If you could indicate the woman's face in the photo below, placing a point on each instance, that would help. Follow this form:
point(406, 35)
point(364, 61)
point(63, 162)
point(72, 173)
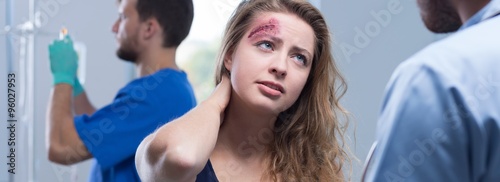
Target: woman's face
point(272, 61)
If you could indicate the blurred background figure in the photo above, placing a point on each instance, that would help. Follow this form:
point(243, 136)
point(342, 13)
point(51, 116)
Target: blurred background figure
point(440, 117)
point(161, 92)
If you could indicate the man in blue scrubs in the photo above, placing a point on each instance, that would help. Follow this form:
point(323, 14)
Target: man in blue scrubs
point(148, 33)
point(440, 118)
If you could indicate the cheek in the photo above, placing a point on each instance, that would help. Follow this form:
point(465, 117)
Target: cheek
point(124, 29)
point(236, 75)
point(239, 76)
point(297, 90)
point(244, 67)
point(296, 86)
point(121, 32)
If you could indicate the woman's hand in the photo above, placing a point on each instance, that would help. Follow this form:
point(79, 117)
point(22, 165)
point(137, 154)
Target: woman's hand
point(173, 153)
point(221, 95)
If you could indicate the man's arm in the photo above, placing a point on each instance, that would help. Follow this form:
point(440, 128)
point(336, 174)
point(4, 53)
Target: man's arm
point(64, 144)
point(82, 105)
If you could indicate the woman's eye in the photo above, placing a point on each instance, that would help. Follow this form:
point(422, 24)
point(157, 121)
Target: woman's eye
point(301, 58)
point(265, 45)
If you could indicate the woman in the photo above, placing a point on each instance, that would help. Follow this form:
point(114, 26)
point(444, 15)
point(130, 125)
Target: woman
point(274, 115)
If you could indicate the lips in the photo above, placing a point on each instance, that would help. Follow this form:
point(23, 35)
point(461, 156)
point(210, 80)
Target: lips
point(272, 85)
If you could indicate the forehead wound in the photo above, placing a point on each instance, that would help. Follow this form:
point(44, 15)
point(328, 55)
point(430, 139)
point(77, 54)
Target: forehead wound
point(270, 27)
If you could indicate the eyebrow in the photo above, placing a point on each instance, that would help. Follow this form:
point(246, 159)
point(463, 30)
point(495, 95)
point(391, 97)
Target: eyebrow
point(274, 38)
point(304, 51)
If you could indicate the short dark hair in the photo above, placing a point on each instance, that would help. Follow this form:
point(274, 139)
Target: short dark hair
point(174, 16)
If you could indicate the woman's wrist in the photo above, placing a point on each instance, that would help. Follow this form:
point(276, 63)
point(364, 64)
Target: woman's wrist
point(213, 107)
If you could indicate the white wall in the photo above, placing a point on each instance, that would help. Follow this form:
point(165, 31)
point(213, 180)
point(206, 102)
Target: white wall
point(367, 69)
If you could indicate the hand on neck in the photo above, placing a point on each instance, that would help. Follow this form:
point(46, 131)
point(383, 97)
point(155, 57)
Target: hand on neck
point(246, 133)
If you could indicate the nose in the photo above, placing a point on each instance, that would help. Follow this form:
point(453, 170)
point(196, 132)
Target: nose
point(114, 29)
point(279, 67)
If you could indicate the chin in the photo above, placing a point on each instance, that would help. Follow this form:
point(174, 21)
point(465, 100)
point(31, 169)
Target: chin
point(126, 55)
point(440, 17)
point(268, 106)
point(447, 27)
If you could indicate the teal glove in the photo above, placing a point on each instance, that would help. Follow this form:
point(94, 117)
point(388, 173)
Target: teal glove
point(78, 88)
point(63, 61)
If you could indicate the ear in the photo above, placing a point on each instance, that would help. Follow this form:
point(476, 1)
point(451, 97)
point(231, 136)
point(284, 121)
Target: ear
point(228, 60)
point(150, 28)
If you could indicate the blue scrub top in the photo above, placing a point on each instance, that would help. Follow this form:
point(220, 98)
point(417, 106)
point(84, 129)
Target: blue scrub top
point(113, 133)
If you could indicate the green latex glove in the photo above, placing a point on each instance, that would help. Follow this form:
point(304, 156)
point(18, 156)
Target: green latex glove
point(77, 88)
point(63, 61)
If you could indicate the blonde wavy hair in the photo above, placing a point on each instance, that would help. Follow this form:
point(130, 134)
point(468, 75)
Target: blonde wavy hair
point(308, 142)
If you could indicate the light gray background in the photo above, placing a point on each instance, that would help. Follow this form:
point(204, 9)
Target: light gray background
point(367, 71)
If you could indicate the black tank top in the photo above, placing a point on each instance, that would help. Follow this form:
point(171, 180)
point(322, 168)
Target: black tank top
point(207, 174)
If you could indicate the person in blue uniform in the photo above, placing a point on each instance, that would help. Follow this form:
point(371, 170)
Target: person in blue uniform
point(148, 33)
point(440, 118)
point(275, 114)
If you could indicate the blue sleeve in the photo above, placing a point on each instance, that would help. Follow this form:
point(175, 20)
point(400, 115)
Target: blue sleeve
point(422, 130)
point(113, 133)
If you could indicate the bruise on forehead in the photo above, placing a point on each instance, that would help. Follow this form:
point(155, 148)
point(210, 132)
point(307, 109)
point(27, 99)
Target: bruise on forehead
point(269, 28)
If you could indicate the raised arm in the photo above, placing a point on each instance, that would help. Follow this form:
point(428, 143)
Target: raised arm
point(63, 143)
point(81, 102)
point(180, 149)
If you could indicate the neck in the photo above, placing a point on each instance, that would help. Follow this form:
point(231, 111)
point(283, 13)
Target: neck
point(245, 133)
point(467, 9)
point(152, 60)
